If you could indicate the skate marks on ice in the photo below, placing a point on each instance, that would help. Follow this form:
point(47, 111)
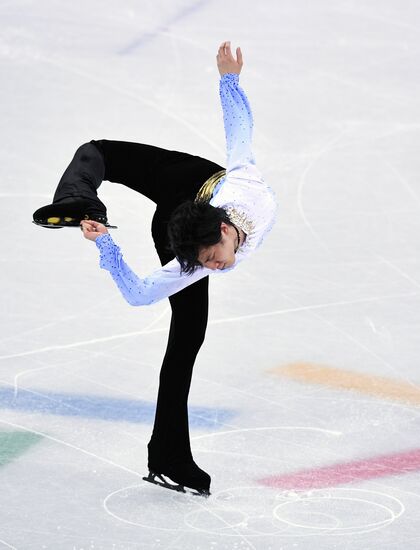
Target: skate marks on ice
point(337, 511)
point(242, 318)
point(7, 545)
point(251, 512)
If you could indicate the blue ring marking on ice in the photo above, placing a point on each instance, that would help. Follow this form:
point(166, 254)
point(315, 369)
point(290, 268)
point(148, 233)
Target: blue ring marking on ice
point(104, 408)
point(144, 38)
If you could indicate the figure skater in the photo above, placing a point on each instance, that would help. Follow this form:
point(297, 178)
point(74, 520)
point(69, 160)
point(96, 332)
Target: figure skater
point(207, 221)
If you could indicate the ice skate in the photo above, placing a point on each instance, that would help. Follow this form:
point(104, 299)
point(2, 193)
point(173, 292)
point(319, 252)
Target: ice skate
point(182, 478)
point(69, 212)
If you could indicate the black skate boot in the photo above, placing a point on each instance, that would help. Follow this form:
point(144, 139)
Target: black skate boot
point(69, 212)
point(186, 475)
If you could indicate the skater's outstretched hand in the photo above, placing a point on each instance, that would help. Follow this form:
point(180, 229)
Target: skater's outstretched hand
point(92, 230)
point(226, 63)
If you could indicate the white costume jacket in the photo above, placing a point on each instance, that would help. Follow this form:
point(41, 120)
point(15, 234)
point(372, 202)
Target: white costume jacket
point(248, 200)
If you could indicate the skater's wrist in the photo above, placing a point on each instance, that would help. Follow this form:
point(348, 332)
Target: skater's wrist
point(103, 238)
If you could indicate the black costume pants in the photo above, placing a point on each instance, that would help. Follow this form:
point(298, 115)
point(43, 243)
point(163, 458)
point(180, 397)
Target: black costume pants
point(167, 178)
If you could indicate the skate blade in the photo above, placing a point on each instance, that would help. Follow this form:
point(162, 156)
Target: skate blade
point(151, 478)
point(59, 225)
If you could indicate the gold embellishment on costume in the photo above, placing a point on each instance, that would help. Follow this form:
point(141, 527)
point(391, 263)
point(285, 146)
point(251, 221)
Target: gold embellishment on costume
point(240, 219)
point(206, 190)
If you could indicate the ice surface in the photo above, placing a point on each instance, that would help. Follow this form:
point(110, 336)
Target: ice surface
point(335, 87)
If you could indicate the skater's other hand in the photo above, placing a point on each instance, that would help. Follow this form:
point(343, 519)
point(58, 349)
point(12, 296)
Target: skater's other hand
point(226, 63)
point(92, 230)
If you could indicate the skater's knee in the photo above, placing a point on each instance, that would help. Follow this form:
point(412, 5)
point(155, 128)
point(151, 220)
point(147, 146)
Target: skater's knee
point(90, 153)
point(84, 147)
point(88, 149)
point(98, 143)
point(190, 340)
point(84, 152)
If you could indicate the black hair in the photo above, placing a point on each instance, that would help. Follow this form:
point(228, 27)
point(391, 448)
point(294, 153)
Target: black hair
point(192, 226)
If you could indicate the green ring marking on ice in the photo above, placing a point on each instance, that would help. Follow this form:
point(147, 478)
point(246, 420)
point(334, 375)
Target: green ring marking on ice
point(13, 444)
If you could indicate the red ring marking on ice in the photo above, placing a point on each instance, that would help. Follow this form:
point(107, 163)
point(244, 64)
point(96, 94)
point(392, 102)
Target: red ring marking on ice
point(348, 472)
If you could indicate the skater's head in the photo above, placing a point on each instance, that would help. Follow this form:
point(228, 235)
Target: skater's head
point(202, 235)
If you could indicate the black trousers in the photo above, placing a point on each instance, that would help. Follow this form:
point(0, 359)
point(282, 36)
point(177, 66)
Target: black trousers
point(167, 178)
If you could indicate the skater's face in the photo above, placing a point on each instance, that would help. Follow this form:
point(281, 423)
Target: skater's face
point(222, 254)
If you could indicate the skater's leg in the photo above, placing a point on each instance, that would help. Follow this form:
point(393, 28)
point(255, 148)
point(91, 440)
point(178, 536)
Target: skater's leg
point(164, 176)
point(133, 164)
point(170, 438)
point(170, 442)
point(169, 450)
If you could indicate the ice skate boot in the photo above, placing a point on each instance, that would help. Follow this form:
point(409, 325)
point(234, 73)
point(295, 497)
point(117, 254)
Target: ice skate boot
point(69, 212)
point(183, 477)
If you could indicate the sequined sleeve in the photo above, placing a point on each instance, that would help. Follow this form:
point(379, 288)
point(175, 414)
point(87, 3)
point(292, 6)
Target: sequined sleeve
point(137, 291)
point(238, 122)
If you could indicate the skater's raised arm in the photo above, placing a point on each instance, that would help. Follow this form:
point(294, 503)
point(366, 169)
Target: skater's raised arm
point(237, 115)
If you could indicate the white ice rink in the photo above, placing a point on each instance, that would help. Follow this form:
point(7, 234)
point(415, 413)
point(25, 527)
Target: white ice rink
point(305, 400)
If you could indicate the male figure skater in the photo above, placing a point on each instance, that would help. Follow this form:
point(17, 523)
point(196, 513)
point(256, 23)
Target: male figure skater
point(207, 221)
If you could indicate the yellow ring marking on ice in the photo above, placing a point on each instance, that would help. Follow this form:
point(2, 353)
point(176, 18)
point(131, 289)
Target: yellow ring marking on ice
point(348, 380)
